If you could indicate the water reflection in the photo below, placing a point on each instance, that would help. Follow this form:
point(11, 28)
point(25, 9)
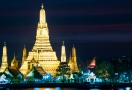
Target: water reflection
point(128, 88)
point(58, 88)
point(46, 89)
point(55, 88)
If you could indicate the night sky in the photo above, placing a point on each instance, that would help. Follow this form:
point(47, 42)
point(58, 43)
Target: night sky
point(96, 27)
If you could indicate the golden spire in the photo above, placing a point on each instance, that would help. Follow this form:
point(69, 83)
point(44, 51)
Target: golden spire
point(14, 56)
point(73, 52)
point(4, 49)
point(4, 62)
point(63, 53)
point(70, 56)
point(42, 6)
point(14, 62)
point(24, 52)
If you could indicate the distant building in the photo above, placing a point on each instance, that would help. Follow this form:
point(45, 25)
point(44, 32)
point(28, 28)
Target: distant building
point(91, 63)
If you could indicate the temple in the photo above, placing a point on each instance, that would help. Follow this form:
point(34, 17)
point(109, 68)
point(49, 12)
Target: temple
point(42, 57)
point(42, 51)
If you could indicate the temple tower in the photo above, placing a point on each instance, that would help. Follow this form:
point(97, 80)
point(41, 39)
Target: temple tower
point(14, 62)
point(63, 53)
point(42, 50)
point(24, 57)
point(24, 66)
point(4, 63)
point(73, 61)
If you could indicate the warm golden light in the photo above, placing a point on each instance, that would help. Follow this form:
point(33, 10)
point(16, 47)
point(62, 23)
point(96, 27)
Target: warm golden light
point(14, 62)
point(4, 63)
point(73, 61)
point(42, 54)
point(42, 51)
point(63, 53)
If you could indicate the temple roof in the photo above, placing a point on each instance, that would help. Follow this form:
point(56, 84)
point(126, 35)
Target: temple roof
point(33, 60)
point(36, 72)
point(40, 70)
point(13, 70)
point(14, 59)
point(92, 63)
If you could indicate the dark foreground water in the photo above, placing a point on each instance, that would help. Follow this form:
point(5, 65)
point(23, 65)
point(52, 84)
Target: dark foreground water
point(59, 88)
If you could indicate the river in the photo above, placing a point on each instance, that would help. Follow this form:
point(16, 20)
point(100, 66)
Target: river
point(59, 88)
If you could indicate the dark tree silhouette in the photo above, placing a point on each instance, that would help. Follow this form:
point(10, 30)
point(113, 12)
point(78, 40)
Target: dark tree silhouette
point(104, 69)
point(63, 69)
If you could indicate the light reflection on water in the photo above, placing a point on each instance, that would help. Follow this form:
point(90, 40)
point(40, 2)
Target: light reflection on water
point(55, 88)
point(59, 88)
point(127, 88)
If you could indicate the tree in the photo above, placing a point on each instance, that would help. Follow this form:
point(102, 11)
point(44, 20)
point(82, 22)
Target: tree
point(63, 69)
point(15, 80)
point(104, 69)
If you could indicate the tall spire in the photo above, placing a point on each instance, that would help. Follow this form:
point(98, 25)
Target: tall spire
point(42, 38)
point(14, 56)
point(73, 62)
point(4, 49)
point(4, 63)
point(70, 56)
point(42, 16)
point(73, 52)
point(24, 57)
point(63, 53)
point(42, 6)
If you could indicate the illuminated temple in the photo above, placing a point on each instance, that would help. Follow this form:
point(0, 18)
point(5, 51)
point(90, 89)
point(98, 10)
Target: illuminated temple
point(42, 54)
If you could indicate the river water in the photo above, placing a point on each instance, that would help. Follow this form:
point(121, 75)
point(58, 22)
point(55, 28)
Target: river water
point(59, 88)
